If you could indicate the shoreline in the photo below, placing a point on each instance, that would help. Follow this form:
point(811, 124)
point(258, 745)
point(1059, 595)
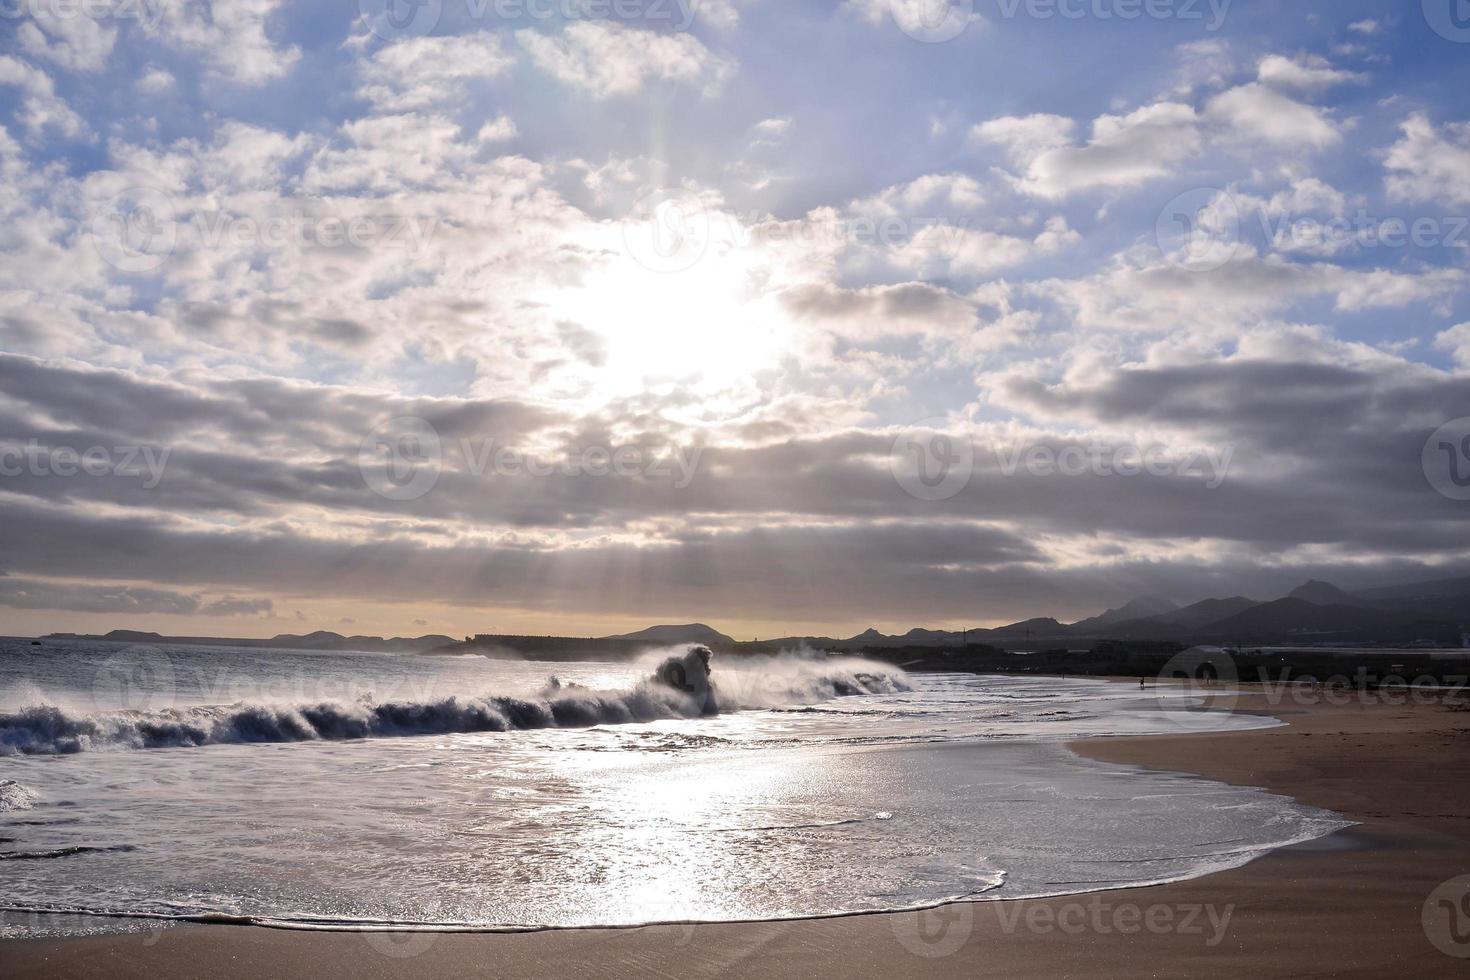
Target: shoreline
point(1349, 904)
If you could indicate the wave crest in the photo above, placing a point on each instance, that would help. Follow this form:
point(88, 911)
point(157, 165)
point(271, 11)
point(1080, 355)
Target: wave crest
point(14, 796)
point(49, 730)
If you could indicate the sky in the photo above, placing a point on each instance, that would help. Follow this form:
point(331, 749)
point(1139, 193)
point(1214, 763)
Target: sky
point(573, 316)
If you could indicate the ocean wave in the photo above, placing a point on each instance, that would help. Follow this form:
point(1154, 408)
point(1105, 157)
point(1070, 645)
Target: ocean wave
point(49, 730)
point(61, 852)
point(14, 796)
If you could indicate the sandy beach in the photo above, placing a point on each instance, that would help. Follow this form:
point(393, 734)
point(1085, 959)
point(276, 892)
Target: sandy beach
point(1349, 906)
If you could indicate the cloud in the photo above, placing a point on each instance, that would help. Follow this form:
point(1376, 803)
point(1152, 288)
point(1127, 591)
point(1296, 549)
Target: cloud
point(1259, 112)
point(72, 39)
point(1304, 73)
point(122, 600)
point(231, 36)
point(497, 130)
point(1156, 140)
point(606, 60)
point(1429, 164)
point(916, 16)
point(424, 72)
point(1123, 151)
point(156, 81)
point(1456, 340)
point(41, 108)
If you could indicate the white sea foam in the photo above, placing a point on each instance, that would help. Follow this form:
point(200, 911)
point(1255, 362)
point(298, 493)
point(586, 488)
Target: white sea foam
point(677, 689)
point(14, 796)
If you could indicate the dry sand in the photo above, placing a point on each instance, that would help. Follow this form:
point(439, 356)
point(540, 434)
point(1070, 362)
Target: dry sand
point(1350, 906)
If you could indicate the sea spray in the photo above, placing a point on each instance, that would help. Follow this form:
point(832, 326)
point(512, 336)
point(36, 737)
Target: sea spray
point(14, 796)
point(681, 687)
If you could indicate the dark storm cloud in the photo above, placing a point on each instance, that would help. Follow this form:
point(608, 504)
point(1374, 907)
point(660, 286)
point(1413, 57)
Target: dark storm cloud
point(16, 593)
point(1323, 456)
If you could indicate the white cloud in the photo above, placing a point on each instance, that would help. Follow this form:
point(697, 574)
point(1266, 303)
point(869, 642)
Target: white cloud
point(956, 192)
point(71, 39)
point(1305, 73)
point(1124, 151)
point(918, 16)
point(231, 35)
point(424, 72)
point(1259, 112)
point(498, 130)
point(155, 81)
point(1429, 165)
point(721, 14)
point(1456, 340)
point(1140, 293)
point(40, 107)
point(1151, 142)
point(606, 59)
point(771, 132)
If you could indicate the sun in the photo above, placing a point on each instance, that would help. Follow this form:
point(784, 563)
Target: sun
point(709, 330)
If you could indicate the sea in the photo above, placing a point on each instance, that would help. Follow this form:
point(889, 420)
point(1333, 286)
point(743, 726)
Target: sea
point(147, 785)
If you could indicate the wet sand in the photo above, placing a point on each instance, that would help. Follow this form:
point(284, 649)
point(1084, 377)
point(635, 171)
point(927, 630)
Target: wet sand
point(1350, 906)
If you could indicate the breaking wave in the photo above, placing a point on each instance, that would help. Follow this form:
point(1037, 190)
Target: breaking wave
point(672, 692)
point(14, 796)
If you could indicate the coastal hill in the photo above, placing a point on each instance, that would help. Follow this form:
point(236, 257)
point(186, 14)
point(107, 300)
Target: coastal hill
point(1422, 614)
point(693, 633)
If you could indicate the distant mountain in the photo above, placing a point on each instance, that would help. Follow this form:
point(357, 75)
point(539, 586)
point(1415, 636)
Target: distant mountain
point(1043, 627)
point(933, 638)
point(1207, 612)
point(1295, 619)
point(1445, 588)
point(693, 633)
point(1147, 607)
point(1322, 594)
